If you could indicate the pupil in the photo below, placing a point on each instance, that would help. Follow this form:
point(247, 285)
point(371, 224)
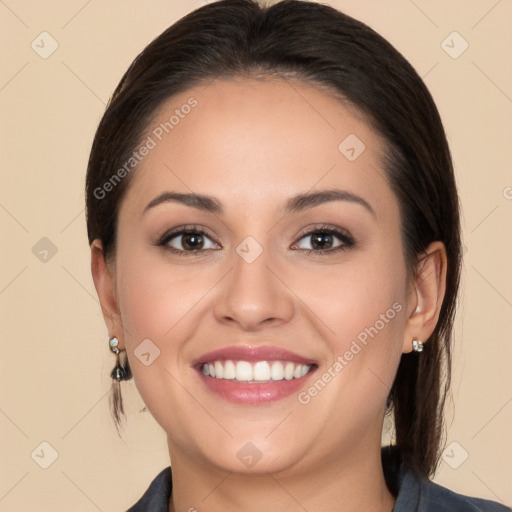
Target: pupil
point(192, 241)
point(320, 240)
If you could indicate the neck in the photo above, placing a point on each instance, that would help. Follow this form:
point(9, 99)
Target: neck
point(354, 481)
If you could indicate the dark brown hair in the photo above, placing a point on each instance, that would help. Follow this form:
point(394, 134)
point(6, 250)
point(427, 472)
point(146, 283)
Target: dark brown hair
point(321, 46)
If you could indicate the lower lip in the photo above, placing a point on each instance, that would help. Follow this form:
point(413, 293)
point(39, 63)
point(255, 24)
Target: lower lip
point(257, 393)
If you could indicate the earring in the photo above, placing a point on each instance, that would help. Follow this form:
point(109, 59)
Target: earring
point(121, 370)
point(417, 345)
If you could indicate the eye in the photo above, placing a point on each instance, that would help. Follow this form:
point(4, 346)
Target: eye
point(188, 240)
point(323, 240)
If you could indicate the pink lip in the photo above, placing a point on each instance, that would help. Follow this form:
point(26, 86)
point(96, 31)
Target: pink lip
point(251, 354)
point(256, 393)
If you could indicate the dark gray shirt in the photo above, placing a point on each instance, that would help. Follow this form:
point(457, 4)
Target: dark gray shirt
point(413, 493)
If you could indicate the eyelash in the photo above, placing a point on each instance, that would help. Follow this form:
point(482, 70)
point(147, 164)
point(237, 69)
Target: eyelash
point(195, 230)
point(345, 238)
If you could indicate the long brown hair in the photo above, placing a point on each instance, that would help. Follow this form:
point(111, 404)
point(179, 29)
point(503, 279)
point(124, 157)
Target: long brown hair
point(319, 45)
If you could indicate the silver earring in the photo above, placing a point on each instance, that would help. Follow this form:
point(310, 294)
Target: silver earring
point(417, 345)
point(121, 370)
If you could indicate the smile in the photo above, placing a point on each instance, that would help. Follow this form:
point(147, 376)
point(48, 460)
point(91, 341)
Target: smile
point(256, 371)
point(249, 375)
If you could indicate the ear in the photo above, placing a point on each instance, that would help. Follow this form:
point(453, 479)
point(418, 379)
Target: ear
point(104, 279)
point(427, 294)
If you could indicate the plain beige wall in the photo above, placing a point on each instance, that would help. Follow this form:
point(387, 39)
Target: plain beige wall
point(55, 362)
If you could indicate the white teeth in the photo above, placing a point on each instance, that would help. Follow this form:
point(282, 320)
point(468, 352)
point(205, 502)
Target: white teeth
point(229, 370)
point(277, 371)
point(260, 371)
point(288, 371)
point(243, 371)
point(219, 371)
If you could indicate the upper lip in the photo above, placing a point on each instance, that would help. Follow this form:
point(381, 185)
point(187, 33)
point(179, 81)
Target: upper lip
point(252, 354)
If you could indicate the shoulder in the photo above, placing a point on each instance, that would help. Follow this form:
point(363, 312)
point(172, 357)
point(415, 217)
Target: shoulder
point(422, 495)
point(156, 497)
point(416, 493)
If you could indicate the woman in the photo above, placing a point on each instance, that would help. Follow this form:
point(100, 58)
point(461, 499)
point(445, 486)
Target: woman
point(275, 242)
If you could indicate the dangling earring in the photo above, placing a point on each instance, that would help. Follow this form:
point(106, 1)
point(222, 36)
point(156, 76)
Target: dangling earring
point(120, 372)
point(417, 345)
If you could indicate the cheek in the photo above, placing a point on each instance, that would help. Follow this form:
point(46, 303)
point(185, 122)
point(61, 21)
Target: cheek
point(354, 298)
point(360, 308)
point(156, 297)
point(157, 306)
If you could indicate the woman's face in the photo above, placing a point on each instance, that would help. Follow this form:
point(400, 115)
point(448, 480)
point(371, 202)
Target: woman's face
point(291, 262)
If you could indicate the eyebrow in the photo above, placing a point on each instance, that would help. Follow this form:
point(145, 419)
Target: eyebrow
point(201, 202)
point(312, 199)
point(297, 203)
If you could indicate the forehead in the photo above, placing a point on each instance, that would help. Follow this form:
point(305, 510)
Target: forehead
point(254, 142)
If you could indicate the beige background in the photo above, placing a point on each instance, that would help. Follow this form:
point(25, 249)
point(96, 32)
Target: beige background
point(55, 362)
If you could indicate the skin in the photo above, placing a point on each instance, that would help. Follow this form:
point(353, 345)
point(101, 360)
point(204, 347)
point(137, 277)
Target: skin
point(253, 145)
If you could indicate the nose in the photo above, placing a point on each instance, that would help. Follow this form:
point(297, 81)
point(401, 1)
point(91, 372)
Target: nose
point(254, 296)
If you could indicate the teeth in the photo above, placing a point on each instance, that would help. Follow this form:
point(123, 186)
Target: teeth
point(243, 371)
point(219, 371)
point(229, 370)
point(277, 371)
point(288, 371)
point(260, 371)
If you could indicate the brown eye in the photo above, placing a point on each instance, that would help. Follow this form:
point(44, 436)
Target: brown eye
point(192, 241)
point(324, 240)
point(188, 240)
point(320, 241)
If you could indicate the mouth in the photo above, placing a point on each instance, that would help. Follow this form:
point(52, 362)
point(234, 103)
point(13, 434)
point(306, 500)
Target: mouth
point(255, 372)
point(246, 375)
